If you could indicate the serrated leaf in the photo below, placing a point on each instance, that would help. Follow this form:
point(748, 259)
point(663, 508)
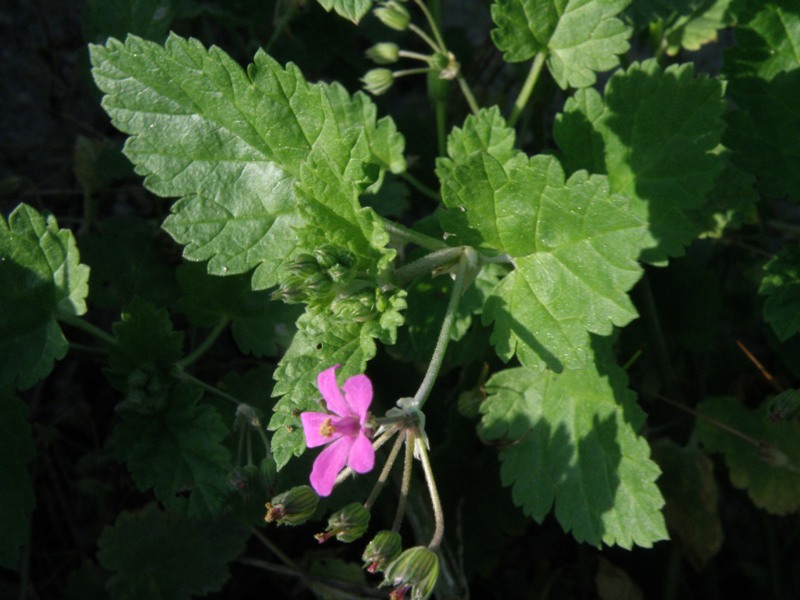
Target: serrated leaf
point(178, 451)
point(579, 37)
point(165, 556)
point(485, 131)
point(691, 510)
point(770, 474)
point(781, 286)
point(230, 143)
point(658, 131)
point(569, 440)
point(349, 9)
point(17, 500)
point(573, 244)
point(764, 75)
point(145, 337)
point(697, 26)
point(258, 324)
point(41, 278)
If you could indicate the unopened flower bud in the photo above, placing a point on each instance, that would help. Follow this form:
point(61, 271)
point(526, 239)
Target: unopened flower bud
point(358, 307)
point(377, 81)
point(383, 53)
point(415, 570)
point(382, 550)
point(347, 524)
point(292, 507)
point(393, 15)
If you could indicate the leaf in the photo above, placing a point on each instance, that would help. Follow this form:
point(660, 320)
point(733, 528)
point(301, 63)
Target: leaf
point(178, 452)
point(654, 135)
point(691, 494)
point(569, 440)
point(145, 340)
point(17, 450)
point(230, 144)
point(165, 556)
point(771, 473)
point(781, 286)
point(579, 37)
point(41, 279)
point(259, 324)
point(573, 244)
point(485, 131)
point(764, 75)
point(349, 9)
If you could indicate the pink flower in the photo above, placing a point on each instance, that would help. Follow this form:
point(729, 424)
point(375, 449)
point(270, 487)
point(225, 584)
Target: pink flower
point(343, 427)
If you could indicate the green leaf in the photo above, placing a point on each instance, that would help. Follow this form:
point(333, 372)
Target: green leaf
point(691, 494)
point(41, 279)
point(178, 451)
point(165, 556)
point(17, 450)
point(570, 440)
point(579, 37)
point(259, 324)
point(764, 75)
point(349, 9)
point(770, 473)
point(230, 144)
point(145, 341)
point(697, 26)
point(781, 285)
point(573, 244)
point(487, 131)
point(655, 136)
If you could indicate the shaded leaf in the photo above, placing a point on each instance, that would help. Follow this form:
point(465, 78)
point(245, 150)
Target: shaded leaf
point(569, 441)
point(781, 286)
point(41, 278)
point(349, 9)
point(165, 556)
point(17, 450)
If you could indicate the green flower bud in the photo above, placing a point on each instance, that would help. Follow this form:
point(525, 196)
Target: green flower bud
point(292, 507)
point(378, 81)
point(304, 265)
point(393, 15)
point(415, 570)
point(269, 471)
point(319, 284)
point(347, 524)
point(383, 53)
point(359, 307)
point(382, 550)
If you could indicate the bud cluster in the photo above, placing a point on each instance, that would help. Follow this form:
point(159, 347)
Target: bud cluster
point(317, 278)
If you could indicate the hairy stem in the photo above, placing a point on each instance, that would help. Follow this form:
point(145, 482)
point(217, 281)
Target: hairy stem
point(420, 239)
point(438, 515)
point(408, 436)
point(182, 375)
point(421, 187)
point(468, 95)
point(387, 468)
point(444, 335)
point(527, 88)
point(205, 345)
point(427, 264)
point(84, 325)
point(433, 25)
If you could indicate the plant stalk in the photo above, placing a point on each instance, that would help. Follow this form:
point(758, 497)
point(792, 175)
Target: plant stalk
point(438, 514)
point(527, 88)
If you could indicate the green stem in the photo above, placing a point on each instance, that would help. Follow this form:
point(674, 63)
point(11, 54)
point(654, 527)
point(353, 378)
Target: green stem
point(385, 472)
point(441, 127)
point(473, 104)
point(408, 436)
point(420, 187)
point(436, 503)
point(428, 263)
point(425, 37)
point(444, 335)
point(414, 56)
point(420, 239)
point(433, 25)
point(179, 373)
point(207, 343)
point(406, 72)
point(527, 89)
point(79, 323)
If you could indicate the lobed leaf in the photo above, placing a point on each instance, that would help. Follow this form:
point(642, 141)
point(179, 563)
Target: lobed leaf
point(654, 134)
point(781, 286)
point(165, 556)
point(770, 474)
point(349, 9)
point(579, 37)
point(17, 450)
point(569, 440)
point(573, 244)
point(41, 279)
point(178, 453)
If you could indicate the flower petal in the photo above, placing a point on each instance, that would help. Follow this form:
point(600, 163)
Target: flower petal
point(328, 465)
point(358, 393)
point(362, 454)
point(326, 382)
point(313, 423)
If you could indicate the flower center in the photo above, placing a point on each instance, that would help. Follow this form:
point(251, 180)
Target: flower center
point(327, 429)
